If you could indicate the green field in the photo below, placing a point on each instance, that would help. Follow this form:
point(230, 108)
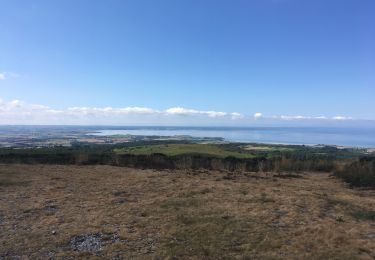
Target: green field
point(268, 148)
point(177, 149)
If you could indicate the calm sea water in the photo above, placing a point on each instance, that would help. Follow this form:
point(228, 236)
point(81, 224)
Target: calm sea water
point(357, 137)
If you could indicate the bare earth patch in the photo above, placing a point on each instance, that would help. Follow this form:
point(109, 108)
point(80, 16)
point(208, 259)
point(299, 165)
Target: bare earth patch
point(54, 211)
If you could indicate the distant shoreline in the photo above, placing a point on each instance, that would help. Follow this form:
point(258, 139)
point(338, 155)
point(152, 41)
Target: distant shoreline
point(262, 135)
point(48, 136)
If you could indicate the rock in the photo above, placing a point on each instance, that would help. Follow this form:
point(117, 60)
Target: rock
point(87, 243)
point(51, 255)
point(53, 232)
point(117, 193)
point(277, 223)
point(50, 209)
point(280, 213)
point(121, 201)
point(115, 238)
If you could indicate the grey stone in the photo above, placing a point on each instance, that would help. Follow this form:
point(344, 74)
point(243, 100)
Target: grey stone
point(87, 243)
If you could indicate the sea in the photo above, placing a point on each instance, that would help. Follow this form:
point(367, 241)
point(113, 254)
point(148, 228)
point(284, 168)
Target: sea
point(338, 136)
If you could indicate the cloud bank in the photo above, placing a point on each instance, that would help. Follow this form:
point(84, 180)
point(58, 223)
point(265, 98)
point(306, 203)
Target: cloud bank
point(258, 116)
point(19, 112)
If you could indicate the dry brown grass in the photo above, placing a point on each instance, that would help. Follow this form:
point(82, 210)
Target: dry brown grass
point(148, 214)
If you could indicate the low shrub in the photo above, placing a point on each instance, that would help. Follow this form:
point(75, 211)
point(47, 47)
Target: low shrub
point(360, 173)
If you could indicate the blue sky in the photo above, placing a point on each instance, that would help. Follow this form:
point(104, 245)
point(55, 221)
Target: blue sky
point(282, 59)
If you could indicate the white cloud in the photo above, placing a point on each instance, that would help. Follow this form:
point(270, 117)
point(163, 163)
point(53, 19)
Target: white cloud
point(136, 110)
point(236, 116)
point(16, 103)
point(4, 75)
point(179, 111)
point(294, 117)
point(300, 117)
point(185, 112)
point(258, 115)
point(342, 118)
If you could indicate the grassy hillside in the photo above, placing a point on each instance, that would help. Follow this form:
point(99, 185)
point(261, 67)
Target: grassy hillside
point(106, 212)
